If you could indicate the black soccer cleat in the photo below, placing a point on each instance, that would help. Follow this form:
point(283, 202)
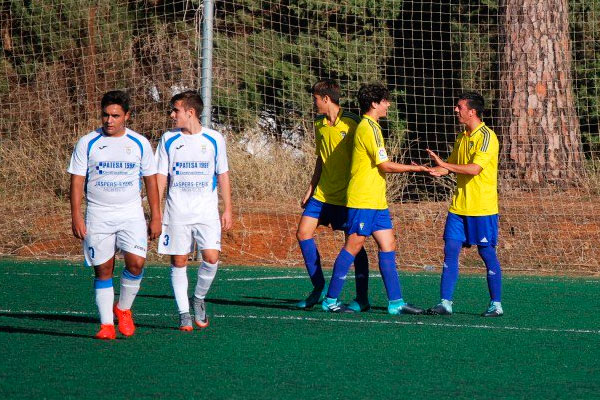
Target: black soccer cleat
point(412, 310)
point(438, 310)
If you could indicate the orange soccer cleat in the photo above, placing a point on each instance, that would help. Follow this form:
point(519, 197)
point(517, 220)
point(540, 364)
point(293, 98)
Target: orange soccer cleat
point(126, 326)
point(106, 332)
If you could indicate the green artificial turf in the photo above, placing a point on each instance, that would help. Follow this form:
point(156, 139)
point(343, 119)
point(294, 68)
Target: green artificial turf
point(258, 346)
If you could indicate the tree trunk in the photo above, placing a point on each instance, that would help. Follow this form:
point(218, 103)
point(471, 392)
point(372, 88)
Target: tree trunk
point(539, 128)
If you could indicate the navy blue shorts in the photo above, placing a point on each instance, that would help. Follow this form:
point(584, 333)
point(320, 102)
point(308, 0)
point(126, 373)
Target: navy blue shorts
point(365, 221)
point(327, 214)
point(480, 231)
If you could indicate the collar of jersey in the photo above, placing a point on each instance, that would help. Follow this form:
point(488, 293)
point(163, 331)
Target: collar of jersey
point(481, 125)
point(371, 119)
point(337, 118)
point(127, 132)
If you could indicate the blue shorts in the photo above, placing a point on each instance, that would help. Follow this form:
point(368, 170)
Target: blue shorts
point(480, 231)
point(327, 214)
point(365, 221)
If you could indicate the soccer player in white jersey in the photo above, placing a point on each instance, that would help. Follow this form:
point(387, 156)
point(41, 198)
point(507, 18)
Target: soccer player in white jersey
point(192, 164)
point(108, 164)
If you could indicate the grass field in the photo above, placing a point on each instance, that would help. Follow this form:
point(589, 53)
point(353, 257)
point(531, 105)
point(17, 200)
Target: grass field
point(546, 345)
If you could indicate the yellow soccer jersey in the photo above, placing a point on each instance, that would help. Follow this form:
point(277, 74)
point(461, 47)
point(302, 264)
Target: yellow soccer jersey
point(367, 186)
point(476, 195)
point(334, 146)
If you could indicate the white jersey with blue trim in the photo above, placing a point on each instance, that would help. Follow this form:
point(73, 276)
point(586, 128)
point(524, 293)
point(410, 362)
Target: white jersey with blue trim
point(191, 163)
point(113, 168)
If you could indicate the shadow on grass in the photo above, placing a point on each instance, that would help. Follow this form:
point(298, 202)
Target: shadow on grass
point(274, 305)
point(32, 331)
point(157, 296)
point(73, 318)
point(287, 301)
point(51, 317)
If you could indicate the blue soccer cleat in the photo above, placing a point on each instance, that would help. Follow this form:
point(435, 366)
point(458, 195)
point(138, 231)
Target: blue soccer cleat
point(316, 296)
point(397, 307)
point(333, 305)
point(359, 306)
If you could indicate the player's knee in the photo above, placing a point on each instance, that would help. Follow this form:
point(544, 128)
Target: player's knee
point(179, 261)
point(211, 258)
point(135, 269)
point(135, 266)
point(303, 234)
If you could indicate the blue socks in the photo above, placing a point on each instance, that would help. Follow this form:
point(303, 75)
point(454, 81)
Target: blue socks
point(387, 268)
point(450, 270)
point(361, 271)
point(494, 272)
point(312, 260)
point(340, 269)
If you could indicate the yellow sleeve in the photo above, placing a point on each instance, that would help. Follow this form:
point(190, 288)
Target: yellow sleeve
point(487, 150)
point(374, 146)
point(318, 140)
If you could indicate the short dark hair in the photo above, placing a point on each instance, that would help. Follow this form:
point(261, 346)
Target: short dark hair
point(371, 93)
point(329, 88)
point(117, 97)
point(189, 99)
point(475, 102)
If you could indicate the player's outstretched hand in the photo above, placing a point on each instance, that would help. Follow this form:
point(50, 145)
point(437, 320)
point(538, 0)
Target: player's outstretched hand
point(154, 228)
point(435, 157)
point(226, 220)
point(78, 227)
point(420, 168)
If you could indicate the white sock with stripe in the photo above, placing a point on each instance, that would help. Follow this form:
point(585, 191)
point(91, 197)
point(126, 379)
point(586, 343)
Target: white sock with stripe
point(179, 282)
point(130, 286)
point(105, 296)
point(206, 275)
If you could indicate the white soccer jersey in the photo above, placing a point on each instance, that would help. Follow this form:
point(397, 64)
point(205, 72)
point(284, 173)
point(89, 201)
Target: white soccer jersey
point(113, 167)
point(191, 164)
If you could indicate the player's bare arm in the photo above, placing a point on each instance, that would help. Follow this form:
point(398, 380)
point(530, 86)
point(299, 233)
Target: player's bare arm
point(77, 221)
point(313, 182)
point(154, 227)
point(225, 188)
point(161, 183)
point(467, 169)
point(392, 167)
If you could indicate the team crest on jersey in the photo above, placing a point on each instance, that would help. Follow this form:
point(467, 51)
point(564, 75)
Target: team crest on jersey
point(203, 148)
point(471, 144)
point(382, 154)
point(343, 134)
point(128, 150)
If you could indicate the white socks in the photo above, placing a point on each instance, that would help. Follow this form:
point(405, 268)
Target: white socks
point(104, 301)
point(179, 281)
point(130, 285)
point(206, 275)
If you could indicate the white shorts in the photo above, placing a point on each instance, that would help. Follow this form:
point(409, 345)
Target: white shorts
point(104, 238)
point(179, 240)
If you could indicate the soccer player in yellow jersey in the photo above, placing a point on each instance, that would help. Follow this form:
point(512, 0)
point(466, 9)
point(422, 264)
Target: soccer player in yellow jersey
point(368, 213)
point(325, 200)
point(473, 214)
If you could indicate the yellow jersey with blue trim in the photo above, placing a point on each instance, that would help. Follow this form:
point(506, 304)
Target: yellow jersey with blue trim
point(477, 195)
point(334, 147)
point(367, 187)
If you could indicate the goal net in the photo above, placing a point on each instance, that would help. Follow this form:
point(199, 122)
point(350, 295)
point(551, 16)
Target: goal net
point(536, 67)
